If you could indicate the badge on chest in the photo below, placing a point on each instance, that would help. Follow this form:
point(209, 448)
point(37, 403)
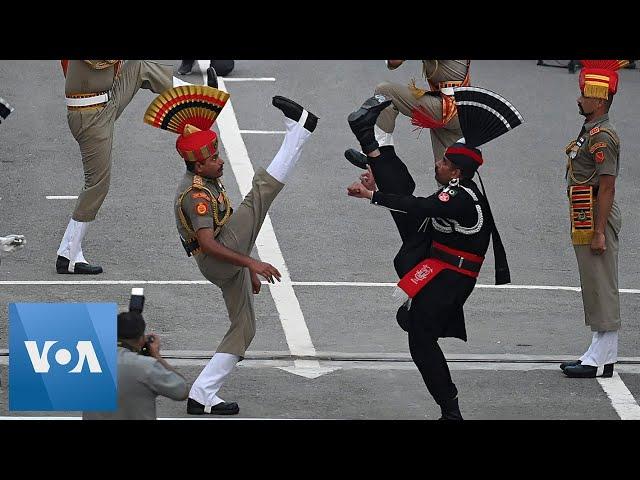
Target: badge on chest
point(446, 194)
point(572, 149)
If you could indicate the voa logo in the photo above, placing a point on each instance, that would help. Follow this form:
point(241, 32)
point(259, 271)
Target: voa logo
point(62, 356)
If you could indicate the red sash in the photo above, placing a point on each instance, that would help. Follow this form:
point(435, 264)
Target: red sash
point(429, 268)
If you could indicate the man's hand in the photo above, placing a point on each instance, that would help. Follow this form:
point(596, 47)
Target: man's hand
point(153, 340)
point(12, 242)
point(598, 244)
point(255, 283)
point(266, 270)
point(358, 190)
point(367, 179)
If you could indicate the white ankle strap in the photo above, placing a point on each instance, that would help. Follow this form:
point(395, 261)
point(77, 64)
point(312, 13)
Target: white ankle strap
point(303, 118)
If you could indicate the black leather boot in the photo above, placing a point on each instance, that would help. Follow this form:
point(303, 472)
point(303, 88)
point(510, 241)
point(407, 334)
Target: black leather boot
point(564, 365)
point(588, 371)
point(223, 408)
point(223, 67)
point(450, 410)
point(362, 121)
point(294, 111)
point(185, 67)
point(212, 77)
point(62, 266)
point(356, 158)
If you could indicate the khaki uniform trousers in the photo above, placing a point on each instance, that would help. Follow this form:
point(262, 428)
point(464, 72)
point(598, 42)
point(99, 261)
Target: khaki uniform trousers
point(240, 234)
point(404, 101)
point(599, 278)
point(93, 130)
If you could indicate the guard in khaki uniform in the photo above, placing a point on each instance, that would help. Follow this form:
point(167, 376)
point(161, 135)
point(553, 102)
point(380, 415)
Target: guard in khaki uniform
point(592, 167)
point(434, 109)
point(219, 237)
point(97, 92)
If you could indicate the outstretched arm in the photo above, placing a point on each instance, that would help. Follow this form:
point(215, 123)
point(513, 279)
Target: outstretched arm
point(439, 204)
point(211, 246)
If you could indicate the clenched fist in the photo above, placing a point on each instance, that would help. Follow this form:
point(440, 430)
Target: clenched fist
point(358, 190)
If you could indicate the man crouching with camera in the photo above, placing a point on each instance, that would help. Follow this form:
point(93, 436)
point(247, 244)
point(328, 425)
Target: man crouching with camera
point(142, 373)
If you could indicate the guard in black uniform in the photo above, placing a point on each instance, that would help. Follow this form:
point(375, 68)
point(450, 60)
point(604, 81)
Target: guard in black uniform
point(445, 236)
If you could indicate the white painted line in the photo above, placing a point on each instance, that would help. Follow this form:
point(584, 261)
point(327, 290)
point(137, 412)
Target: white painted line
point(61, 197)
point(264, 132)
point(240, 79)
point(292, 283)
point(621, 399)
point(289, 311)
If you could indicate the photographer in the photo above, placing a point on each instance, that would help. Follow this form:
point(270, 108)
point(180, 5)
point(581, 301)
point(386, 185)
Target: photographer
point(141, 378)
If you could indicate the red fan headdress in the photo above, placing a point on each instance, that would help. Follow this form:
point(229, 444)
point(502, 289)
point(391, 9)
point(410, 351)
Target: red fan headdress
point(598, 78)
point(190, 111)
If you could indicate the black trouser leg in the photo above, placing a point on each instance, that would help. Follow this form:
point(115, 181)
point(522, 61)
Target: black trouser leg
point(392, 176)
point(429, 359)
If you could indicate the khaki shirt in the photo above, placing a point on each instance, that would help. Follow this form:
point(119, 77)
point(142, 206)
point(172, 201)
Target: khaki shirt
point(596, 152)
point(437, 71)
point(83, 78)
point(140, 380)
point(197, 205)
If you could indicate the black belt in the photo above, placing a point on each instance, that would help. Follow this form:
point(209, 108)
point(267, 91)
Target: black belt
point(190, 246)
point(455, 260)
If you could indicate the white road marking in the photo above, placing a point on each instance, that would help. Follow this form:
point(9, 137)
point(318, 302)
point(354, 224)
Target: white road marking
point(292, 283)
point(264, 132)
point(284, 297)
point(61, 197)
point(621, 399)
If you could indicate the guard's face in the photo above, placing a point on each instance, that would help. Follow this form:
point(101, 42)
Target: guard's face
point(588, 105)
point(212, 167)
point(446, 170)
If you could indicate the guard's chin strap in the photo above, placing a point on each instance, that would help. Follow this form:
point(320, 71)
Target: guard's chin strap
point(501, 265)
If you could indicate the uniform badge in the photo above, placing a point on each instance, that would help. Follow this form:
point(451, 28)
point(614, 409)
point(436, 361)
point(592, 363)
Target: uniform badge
point(599, 156)
point(200, 195)
point(594, 130)
point(597, 146)
point(201, 208)
point(573, 152)
point(444, 197)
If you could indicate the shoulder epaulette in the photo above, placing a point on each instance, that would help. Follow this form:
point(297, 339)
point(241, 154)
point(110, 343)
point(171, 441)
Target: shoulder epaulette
point(609, 132)
point(198, 182)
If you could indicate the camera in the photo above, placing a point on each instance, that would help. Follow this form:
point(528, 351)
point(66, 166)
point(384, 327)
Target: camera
point(136, 302)
point(145, 348)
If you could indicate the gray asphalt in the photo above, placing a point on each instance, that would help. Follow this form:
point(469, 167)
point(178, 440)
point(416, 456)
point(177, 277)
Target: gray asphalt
point(326, 236)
